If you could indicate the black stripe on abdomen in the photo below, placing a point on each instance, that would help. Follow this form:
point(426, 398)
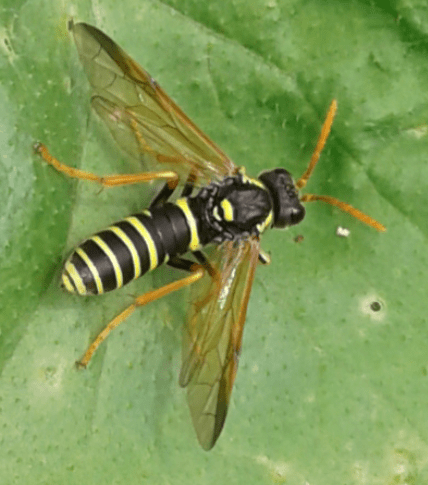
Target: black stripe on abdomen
point(127, 250)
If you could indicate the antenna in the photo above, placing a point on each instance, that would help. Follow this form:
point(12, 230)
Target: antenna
point(301, 183)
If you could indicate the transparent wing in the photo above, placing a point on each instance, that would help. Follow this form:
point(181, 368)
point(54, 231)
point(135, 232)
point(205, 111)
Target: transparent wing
point(140, 115)
point(213, 335)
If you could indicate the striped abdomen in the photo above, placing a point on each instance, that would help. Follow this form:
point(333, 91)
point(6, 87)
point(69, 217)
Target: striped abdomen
point(130, 248)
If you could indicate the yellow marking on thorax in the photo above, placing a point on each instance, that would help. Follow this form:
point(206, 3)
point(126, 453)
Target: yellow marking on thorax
point(266, 223)
point(216, 214)
point(248, 180)
point(227, 210)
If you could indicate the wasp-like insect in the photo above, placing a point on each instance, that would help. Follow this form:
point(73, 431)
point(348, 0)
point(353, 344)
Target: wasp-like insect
point(229, 210)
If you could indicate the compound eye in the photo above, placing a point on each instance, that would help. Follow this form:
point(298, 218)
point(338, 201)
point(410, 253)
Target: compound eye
point(297, 214)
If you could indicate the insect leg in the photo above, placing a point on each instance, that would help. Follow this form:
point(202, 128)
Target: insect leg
point(212, 271)
point(110, 180)
point(163, 195)
point(169, 188)
point(189, 185)
point(264, 257)
point(197, 272)
point(186, 265)
point(181, 263)
point(203, 260)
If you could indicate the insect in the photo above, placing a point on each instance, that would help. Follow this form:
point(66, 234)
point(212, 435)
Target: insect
point(219, 205)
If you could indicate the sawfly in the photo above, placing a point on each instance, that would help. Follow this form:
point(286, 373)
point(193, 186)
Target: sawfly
point(218, 205)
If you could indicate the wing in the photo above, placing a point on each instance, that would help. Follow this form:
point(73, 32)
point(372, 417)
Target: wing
point(140, 115)
point(213, 335)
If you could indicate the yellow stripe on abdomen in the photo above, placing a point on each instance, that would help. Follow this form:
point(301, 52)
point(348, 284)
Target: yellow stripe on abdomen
point(113, 259)
point(145, 234)
point(194, 236)
point(93, 270)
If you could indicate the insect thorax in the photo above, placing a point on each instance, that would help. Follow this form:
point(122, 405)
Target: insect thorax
point(237, 207)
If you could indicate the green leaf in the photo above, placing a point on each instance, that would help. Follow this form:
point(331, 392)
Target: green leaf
point(331, 388)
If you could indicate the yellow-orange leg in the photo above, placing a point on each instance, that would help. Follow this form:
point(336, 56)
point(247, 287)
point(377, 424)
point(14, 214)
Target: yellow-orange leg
point(197, 272)
point(110, 180)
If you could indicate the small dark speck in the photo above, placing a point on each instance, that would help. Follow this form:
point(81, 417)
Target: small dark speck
point(7, 44)
point(375, 306)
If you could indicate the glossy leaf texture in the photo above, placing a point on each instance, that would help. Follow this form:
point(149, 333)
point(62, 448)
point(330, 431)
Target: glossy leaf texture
point(328, 389)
